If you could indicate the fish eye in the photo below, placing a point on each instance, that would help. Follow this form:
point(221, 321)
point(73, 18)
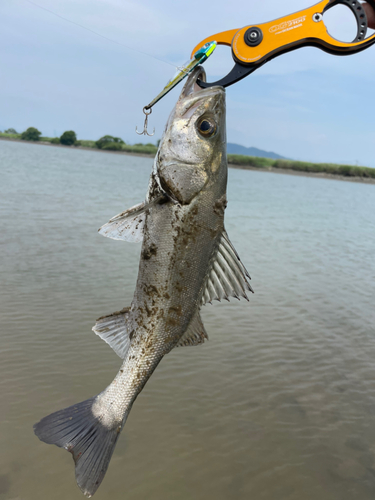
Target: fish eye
point(206, 126)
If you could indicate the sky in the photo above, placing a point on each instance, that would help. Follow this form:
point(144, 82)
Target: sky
point(56, 76)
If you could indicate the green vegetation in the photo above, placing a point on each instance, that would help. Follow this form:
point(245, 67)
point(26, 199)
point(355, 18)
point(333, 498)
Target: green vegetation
point(111, 143)
point(302, 166)
point(10, 131)
point(107, 142)
point(251, 161)
point(10, 136)
point(146, 149)
point(68, 138)
point(31, 134)
point(87, 144)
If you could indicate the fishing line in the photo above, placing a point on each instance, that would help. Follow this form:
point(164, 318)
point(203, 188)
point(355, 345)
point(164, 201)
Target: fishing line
point(101, 36)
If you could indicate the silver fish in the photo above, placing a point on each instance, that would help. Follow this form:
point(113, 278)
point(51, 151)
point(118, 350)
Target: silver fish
point(186, 261)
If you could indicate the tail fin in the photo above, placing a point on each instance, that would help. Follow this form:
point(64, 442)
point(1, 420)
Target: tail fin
point(91, 443)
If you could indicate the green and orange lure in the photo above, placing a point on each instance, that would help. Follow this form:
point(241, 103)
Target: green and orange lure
point(199, 57)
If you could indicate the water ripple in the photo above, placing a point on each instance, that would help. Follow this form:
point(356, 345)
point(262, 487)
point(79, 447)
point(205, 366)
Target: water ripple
point(280, 403)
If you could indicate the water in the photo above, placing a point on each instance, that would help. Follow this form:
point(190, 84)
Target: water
point(280, 403)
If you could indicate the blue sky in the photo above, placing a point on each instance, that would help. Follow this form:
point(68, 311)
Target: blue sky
point(56, 76)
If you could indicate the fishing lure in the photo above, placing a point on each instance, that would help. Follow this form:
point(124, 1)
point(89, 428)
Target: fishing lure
point(198, 57)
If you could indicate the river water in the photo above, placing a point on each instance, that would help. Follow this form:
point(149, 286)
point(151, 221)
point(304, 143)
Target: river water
point(279, 404)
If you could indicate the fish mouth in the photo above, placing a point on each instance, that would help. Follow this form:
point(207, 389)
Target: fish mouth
point(191, 86)
point(192, 94)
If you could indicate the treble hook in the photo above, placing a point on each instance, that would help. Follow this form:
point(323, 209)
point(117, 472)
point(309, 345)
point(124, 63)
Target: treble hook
point(145, 132)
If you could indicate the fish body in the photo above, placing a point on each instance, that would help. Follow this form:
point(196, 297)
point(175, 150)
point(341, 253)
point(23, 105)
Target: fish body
point(186, 261)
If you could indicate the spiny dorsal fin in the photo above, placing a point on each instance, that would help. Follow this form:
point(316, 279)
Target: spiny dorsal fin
point(227, 275)
point(195, 334)
point(113, 330)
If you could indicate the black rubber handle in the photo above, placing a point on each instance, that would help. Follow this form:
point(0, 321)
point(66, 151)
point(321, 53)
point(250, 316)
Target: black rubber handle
point(235, 75)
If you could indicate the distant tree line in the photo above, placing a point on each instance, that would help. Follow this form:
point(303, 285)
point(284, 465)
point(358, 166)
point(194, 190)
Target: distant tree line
point(69, 138)
point(31, 134)
point(110, 142)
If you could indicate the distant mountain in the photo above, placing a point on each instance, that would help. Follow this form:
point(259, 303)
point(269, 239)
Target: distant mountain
point(237, 149)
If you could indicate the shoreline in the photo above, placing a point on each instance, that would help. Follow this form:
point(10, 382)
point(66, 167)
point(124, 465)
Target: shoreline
point(96, 150)
point(282, 171)
point(319, 175)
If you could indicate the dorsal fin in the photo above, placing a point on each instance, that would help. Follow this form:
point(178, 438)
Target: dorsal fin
point(195, 334)
point(227, 275)
point(113, 330)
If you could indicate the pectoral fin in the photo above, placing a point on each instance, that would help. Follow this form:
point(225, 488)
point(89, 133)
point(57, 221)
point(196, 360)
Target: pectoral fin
point(127, 226)
point(227, 275)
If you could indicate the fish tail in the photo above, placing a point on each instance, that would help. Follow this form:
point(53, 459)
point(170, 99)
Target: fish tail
point(90, 442)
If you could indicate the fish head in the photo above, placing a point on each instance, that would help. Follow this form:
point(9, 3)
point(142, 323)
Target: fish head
point(192, 152)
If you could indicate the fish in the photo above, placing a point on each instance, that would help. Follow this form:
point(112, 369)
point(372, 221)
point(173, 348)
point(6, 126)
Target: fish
point(186, 261)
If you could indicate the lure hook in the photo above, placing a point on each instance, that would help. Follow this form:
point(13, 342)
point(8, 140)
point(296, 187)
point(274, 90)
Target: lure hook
point(145, 131)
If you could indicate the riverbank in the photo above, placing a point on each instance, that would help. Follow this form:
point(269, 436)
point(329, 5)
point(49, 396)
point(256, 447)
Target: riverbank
point(85, 148)
point(319, 175)
point(321, 170)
